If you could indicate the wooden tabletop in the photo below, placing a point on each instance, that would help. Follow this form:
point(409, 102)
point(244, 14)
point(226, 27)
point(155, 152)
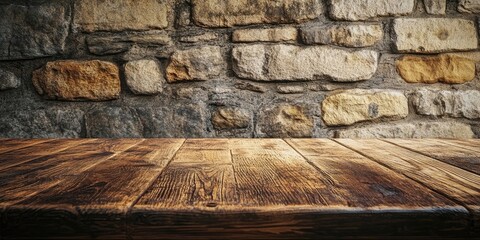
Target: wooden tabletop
point(239, 188)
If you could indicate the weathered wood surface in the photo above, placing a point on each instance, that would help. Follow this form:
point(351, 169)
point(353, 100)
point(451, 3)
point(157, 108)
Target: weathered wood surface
point(458, 156)
point(34, 150)
point(7, 145)
point(94, 201)
point(239, 188)
point(460, 185)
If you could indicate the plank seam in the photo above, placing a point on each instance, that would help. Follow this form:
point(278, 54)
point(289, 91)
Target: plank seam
point(426, 155)
point(84, 170)
point(83, 141)
point(76, 208)
point(471, 213)
point(325, 177)
point(27, 145)
point(129, 209)
point(458, 146)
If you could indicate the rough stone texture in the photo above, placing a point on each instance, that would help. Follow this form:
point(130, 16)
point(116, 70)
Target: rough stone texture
point(227, 13)
point(113, 122)
point(257, 57)
point(469, 6)
point(285, 120)
point(196, 64)
point(355, 10)
point(432, 35)
point(250, 87)
point(291, 63)
point(189, 120)
point(265, 35)
point(112, 44)
point(144, 77)
point(447, 103)
point(442, 68)
point(355, 35)
point(435, 6)
point(8, 80)
point(44, 123)
point(204, 37)
point(176, 120)
point(33, 31)
point(474, 56)
point(446, 129)
point(230, 118)
point(193, 93)
point(118, 15)
point(290, 89)
point(78, 80)
point(352, 106)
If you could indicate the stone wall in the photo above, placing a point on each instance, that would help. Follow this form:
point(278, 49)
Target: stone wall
point(239, 68)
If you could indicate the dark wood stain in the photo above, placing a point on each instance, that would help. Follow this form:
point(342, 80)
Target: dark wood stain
point(452, 154)
point(239, 189)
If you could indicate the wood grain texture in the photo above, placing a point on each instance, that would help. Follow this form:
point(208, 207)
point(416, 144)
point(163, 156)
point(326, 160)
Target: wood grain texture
point(468, 144)
point(266, 189)
point(96, 200)
point(236, 189)
point(375, 185)
point(198, 177)
point(24, 180)
point(10, 144)
point(455, 183)
point(270, 173)
point(460, 157)
point(36, 151)
point(297, 224)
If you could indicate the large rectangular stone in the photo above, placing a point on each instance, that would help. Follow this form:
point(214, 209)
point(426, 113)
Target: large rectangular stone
point(120, 15)
point(417, 129)
point(227, 13)
point(358, 105)
point(432, 69)
point(293, 63)
point(356, 10)
point(265, 35)
point(352, 35)
point(72, 80)
point(196, 64)
point(433, 35)
point(117, 43)
point(447, 103)
point(32, 31)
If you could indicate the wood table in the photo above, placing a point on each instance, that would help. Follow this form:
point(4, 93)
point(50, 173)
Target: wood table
point(239, 188)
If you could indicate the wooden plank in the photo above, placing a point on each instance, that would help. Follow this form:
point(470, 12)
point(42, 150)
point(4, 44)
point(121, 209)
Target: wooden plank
point(296, 223)
point(21, 181)
point(375, 185)
point(206, 143)
point(273, 193)
point(94, 202)
point(236, 189)
point(35, 151)
point(278, 175)
point(196, 178)
point(10, 144)
point(456, 183)
point(469, 144)
point(119, 179)
point(451, 154)
point(200, 177)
